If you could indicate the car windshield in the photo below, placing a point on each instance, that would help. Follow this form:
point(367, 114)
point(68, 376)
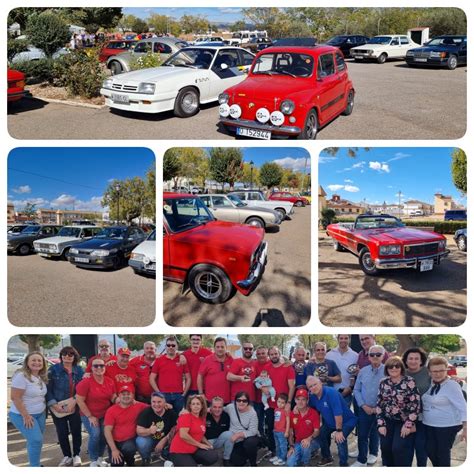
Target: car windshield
point(32, 229)
point(378, 222)
point(185, 213)
point(152, 236)
point(337, 40)
point(236, 201)
point(117, 233)
point(69, 232)
point(444, 41)
point(380, 40)
point(16, 229)
point(195, 58)
point(288, 64)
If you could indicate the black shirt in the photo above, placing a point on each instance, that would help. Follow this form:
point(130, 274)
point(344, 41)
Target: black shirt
point(215, 428)
point(164, 423)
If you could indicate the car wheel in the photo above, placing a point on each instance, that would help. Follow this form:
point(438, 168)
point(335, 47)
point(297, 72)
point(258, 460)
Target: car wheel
point(210, 284)
point(115, 68)
point(187, 102)
point(119, 261)
point(462, 243)
point(64, 254)
point(255, 222)
point(366, 262)
point(382, 58)
point(24, 249)
point(349, 103)
point(310, 130)
point(281, 214)
point(452, 62)
point(337, 246)
point(299, 204)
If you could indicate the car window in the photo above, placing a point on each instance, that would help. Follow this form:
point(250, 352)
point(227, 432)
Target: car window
point(404, 40)
point(206, 200)
point(162, 48)
point(221, 201)
point(240, 195)
point(340, 63)
point(395, 41)
point(325, 66)
point(255, 196)
point(227, 63)
point(47, 231)
point(89, 232)
point(247, 58)
point(291, 64)
point(143, 47)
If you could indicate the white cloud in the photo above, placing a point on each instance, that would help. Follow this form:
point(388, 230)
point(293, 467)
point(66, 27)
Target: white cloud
point(351, 189)
point(390, 187)
point(348, 181)
point(345, 187)
point(399, 156)
point(335, 187)
point(22, 203)
point(326, 159)
point(377, 166)
point(295, 164)
point(359, 164)
point(22, 189)
point(66, 201)
point(230, 11)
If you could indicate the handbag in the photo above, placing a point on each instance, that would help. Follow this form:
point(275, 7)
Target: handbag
point(64, 404)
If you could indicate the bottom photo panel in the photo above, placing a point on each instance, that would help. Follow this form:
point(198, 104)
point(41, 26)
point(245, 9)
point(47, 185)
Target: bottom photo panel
point(237, 400)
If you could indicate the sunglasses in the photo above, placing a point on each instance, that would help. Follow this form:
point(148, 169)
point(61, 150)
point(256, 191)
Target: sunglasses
point(375, 354)
point(248, 348)
point(98, 366)
point(104, 347)
point(396, 366)
point(69, 354)
point(170, 345)
point(242, 400)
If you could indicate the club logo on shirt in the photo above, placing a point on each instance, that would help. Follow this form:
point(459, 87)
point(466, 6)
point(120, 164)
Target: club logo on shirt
point(247, 370)
point(160, 426)
point(295, 420)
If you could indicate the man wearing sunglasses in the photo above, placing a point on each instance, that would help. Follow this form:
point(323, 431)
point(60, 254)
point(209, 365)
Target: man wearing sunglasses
point(241, 374)
point(104, 354)
point(170, 377)
point(195, 355)
point(365, 392)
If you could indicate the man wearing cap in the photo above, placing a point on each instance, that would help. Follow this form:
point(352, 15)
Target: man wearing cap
point(155, 428)
point(104, 354)
point(120, 427)
point(120, 371)
point(242, 373)
point(336, 418)
point(195, 355)
point(305, 424)
point(142, 365)
point(331, 375)
point(170, 376)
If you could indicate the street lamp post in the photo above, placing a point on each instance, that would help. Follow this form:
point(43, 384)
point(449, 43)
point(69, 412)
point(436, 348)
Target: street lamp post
point(399, 204)
point(251, 174)
point(117, 188)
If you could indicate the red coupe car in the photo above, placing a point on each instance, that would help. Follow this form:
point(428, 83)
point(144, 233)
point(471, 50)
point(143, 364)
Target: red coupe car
point(212, 258)
point(298, 201)
point(16, 85)
point(115, 47)
point(384, 242)
point(289, 92)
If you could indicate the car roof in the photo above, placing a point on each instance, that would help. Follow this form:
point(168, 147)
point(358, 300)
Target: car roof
point(316, 49)
point(169, 195)
point(213, 46)
point(376, 215)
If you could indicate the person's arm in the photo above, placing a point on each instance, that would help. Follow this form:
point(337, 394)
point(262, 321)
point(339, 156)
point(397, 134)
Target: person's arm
point(252, 429)
point(153, 377)
point(187, 383)
point(412, 408)
point(200, 384)
point(336, 378)
point(339, 435)
point(379, 411)
point(291, 389)
point(287, 425)
point(81, 401)
point(187, 438)
point(142, 431)
point(116, 455)
point(237, 378)
point(17, 399)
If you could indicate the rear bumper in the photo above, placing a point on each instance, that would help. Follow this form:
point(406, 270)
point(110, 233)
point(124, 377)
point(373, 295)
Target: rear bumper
point(284, 130)
point(256, 272)
point(435, 62)
point(390, 263)
point(141, 267)
point(17, 95)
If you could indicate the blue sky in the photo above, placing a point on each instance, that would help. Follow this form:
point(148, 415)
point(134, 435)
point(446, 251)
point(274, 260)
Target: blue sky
point(379, 174)
point(216, 14)
point(67, 178)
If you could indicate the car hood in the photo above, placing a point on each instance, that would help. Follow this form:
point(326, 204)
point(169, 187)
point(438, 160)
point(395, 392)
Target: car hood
point(14, 75)
point(22, 236)
point(57, 240)
point(156, 74)
point(399, 236)
point(102, 244)
point(440, 48)
point(148, 248)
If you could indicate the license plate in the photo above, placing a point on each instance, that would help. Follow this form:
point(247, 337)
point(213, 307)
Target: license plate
point(41, 254)
point(250, 132)
point(152, 266)
point(426, 265)
point(359, 57)
point(421, 60)
point(120, 98)
point(81, 260)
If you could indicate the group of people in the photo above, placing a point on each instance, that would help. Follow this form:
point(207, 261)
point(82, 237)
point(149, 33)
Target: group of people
point(203, 407)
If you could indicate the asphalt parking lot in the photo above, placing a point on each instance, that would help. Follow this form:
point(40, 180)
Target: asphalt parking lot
point(402, 298)
point(53, 293)
point(393, 101)
point(282, 298)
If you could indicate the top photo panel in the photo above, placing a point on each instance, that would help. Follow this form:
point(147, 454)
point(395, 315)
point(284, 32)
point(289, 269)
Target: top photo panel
point(230, 73)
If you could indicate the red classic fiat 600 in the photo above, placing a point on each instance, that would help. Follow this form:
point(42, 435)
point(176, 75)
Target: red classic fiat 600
point(290, 91)
point(213, 258)
point(16, 85)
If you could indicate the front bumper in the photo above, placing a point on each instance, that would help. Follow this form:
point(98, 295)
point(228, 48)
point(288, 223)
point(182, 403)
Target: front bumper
point(145, 103)
point(142, 267)
point(108, 261)
point(14, 96)
point(390, 263)
point(435, 62)
point(42, 252)
point(284, 130)
point(256, 271)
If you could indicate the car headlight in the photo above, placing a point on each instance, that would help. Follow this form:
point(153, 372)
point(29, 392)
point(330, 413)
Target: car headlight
point(390, 249)
point(287, 107)
point(437, 54)
point(370, 51)
point(262, 115)
point(223, 98)
point(100, 253)
point(441, 244)
point(146, 88)
point(74, 251)
point(137, 256)
point(107, 84)
point(410, 53)
point(54, 247)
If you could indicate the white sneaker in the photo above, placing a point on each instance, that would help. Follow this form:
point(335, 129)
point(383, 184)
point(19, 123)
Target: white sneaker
point(354, 454)
point(77, 461)
point(273, 459)
point(168, 464)
point(359, 464)
point(280, 462)
point(101, 462)
point(66, 461)
point(371, 459)
point(95, 464)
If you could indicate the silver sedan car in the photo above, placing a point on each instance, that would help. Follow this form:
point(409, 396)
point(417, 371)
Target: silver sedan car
point(231, 208)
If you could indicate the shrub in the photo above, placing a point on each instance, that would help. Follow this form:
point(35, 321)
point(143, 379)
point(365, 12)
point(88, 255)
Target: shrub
point(15, 46)
point(146, 61)
point(41, 70)
point(327, 217)
point(47, 31)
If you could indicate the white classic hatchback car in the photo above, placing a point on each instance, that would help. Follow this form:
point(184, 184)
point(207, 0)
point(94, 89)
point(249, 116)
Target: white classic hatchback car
point(193, 76)
point(383, 47)
point(143, 256)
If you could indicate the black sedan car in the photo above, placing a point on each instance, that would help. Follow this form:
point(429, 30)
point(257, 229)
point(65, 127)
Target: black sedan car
point(110, 248)
point(22, 243)
point(346, 42)
point(442, 51)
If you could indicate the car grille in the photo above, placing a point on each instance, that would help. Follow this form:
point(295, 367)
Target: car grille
point(421, 54)
point(45, 246)
point(85, 251)
point(421, 249)
point(124, 87)
point(361, 51)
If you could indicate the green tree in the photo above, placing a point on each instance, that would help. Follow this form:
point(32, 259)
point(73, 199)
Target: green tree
point(150, 193)
point(15, 46)
point(126, 23)
point(94, 18)
point(194, 164)
point(47, 31)
point(36, 342)
point(194, 24)
point(29, 211)
point(238, 25)
point(225, 165)
point(327, 216)
point(279, 340)
point(20, 15)
point(459, 170)
point(135, 341)
point(171, 165)
point(309, 340)
point(442, 343)
point(271, 175)
point(162, 24)
point(139, 26)
point(389, 341)
point(251, 175)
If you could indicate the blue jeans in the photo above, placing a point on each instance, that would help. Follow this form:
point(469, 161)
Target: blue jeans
point(396, 451)
point(128, 448)
point(145, 446)
point(34, 435)
point(281, 445)
point(325, 442)
point(301, 456)
point(420, 445)
point(223, 440)
point(96, 445)
point(175, 399)
point(367, 436)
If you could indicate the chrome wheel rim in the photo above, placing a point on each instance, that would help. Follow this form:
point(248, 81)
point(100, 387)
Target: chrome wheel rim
point(462, 243)
point(452, 62)
point(311, 127)
point(207, 285)
point(350, 102)
point(254, 223)
point(189, 102)
point(368, 263)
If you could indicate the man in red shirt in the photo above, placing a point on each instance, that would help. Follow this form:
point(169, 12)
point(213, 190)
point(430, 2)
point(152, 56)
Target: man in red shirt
point(212, 377)
point(262, 363)
point(142, 365)
point(241, 374)
point(194, 357)
point(305, 424)
point(120, 371)
point(104, 354)
point(120, 426)
point(168, 373)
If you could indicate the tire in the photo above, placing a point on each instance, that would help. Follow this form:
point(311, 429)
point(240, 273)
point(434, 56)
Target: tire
point(24, 249)
point(299, 203)
point(337, 246)
point(366, 262)
point(255, 222)
point(115, 68)
point(281, 213)
point(349, 103)
point(310, 130)
point(118, 262)
point(210, 284)
point(64, 254)
point(452, 62)
point(462, 243)
point(187, 102)
point(382, 58)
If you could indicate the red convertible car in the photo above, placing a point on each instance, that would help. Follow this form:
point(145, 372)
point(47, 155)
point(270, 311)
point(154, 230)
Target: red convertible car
point(212, 258)
point(289, 92)
point(383, 242)
point(16, 85)
point(298, 201)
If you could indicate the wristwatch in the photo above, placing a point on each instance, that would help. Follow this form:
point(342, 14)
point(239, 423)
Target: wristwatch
point(339, 430)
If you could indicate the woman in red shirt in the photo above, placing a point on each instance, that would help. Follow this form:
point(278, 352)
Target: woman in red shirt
point(189, 446)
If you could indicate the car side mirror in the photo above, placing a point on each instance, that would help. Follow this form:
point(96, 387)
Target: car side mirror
point(224, 66)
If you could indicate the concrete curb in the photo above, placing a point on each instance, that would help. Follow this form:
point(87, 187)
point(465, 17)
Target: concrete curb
point(69, 102)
